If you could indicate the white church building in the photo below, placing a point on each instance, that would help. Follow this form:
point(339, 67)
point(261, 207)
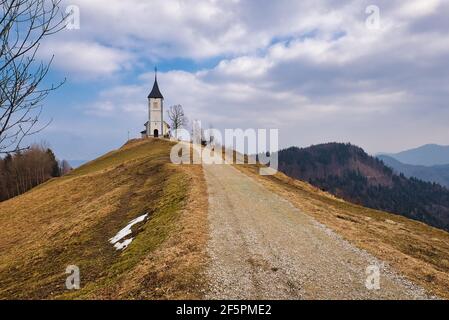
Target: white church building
point(156, 126)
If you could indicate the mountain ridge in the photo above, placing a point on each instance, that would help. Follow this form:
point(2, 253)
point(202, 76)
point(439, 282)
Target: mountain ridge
point(350, 173)
point(436, 173)
point(426, 155)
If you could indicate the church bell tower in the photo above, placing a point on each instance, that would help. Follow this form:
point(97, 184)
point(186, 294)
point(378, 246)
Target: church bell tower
point(155, 125)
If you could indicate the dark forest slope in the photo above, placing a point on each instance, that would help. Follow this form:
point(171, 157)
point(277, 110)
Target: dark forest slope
point(348, 172)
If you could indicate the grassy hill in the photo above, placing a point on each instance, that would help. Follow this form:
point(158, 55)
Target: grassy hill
point(69, 220)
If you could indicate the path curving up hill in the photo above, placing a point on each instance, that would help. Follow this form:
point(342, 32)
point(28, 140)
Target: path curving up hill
point(262, 247)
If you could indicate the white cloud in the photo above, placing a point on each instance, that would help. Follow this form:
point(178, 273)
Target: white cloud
point(86, 58)
point(418, 8)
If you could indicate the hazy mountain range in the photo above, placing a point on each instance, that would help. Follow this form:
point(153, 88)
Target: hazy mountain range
point(437, 173)
point(429, 163)
point(77, 163)
point(426, 155)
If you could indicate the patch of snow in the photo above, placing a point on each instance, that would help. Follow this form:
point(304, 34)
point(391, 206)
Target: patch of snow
point(123, 245)
point(125, 232)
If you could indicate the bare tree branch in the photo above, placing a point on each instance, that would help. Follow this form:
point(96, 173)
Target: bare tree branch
point(177, 117)
point(23, 26)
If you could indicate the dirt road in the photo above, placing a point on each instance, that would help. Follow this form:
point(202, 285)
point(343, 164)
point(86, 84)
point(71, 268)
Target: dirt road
point(262, 247)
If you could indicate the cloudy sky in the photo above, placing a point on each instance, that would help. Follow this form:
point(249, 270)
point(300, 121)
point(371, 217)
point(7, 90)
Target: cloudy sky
point(318, 70)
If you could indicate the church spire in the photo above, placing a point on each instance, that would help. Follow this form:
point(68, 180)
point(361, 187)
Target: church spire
point(155, 92)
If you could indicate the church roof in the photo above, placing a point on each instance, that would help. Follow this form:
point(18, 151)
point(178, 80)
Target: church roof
point(155, 92)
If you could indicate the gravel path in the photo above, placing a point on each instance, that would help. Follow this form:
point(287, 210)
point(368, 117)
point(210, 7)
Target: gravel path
point(261, 247)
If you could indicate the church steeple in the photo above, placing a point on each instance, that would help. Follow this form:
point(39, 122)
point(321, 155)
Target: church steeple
point(155, 92)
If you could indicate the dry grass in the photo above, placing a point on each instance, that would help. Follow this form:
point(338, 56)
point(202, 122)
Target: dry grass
point(418, 251)
point(69, 220)
point(175, 270)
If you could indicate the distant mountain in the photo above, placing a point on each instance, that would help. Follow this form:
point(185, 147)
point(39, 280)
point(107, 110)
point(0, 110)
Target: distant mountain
point(438, 174)
point(76, 163)
point(427, 155)
point(349, 173)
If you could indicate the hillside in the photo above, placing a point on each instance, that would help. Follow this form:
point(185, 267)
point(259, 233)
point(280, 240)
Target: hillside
point(426, 155)
point(416, 250)
point(438, 173)
point(70, 221)
point(349, 173)
point(183, 247)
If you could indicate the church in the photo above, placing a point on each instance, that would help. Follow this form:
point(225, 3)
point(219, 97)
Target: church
point(156, 126)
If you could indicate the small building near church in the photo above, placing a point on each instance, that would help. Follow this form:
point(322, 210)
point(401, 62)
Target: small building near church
point(156, 126)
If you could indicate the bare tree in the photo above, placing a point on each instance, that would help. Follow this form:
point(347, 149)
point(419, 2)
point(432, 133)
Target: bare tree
point(177, 117)
point(65, 167)
point(23, 26)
